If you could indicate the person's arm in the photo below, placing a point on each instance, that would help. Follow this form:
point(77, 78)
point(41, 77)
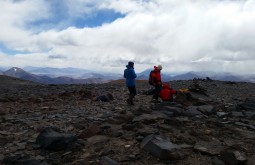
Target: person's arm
point(133, 74)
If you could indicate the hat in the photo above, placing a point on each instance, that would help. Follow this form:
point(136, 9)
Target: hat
point(159, 67)
point(131, 63)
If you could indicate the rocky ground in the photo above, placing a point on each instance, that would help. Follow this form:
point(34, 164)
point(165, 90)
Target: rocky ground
point(211, 124)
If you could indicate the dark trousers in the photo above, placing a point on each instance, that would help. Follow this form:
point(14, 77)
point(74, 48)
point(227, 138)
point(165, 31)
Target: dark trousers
point(157, 90)
point(132, 93)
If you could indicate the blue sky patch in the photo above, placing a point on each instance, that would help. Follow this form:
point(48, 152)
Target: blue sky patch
point(61, 20)
point(8, 51)
point(100, 17)
point(57, 19)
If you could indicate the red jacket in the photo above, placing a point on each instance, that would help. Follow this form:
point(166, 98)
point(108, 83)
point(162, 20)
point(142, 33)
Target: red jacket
point(167, 93)
point(157, 80)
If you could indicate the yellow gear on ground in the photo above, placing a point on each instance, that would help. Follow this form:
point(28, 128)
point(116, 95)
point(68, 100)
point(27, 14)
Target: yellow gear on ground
point(184, 90)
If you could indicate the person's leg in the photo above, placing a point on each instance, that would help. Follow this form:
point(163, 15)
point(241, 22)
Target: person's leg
point(156, 92)
point(132, 93)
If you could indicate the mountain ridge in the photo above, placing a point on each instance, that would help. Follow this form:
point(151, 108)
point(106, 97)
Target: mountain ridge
point(80, 76)
point(22, 74)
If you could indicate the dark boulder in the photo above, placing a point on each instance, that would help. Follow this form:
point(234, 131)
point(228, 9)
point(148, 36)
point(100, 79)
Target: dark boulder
point(160, 147)
point(51, 139)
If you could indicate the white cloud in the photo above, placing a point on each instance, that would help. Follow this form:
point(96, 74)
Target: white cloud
point(180, 35)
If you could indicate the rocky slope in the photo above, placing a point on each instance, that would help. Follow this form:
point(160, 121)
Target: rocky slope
point(212, 123)
point(9, 82)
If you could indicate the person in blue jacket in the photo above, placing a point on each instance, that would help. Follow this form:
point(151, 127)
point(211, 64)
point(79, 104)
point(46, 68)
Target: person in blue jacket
point(130, 75)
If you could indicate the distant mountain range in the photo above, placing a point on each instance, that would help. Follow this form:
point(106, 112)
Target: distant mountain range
point(22, 74)
point(83, 76)
point(223, 76)
point(75, 73)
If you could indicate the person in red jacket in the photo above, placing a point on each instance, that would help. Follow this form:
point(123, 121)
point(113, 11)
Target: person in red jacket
point(167, 93)
point(156, 82)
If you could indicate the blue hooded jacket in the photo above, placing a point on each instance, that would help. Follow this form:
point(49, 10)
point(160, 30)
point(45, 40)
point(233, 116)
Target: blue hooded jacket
point(130, 76)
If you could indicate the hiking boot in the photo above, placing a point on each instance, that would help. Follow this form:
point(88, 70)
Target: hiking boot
point(130, 102)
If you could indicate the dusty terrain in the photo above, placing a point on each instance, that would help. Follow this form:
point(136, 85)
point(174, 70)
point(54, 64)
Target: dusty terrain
point(213, 123)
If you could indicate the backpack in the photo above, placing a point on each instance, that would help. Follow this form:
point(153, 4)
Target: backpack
point(152, 77)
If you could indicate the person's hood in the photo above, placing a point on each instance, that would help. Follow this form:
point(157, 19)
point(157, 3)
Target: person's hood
point(155, 68)
point(129, 66)
point(158, 68)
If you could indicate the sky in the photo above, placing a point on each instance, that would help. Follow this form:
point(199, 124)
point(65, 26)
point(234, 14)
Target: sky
point(103, 35)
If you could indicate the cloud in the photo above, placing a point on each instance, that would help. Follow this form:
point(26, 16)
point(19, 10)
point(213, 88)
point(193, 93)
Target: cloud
point(180, 35)
point(56, 57)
